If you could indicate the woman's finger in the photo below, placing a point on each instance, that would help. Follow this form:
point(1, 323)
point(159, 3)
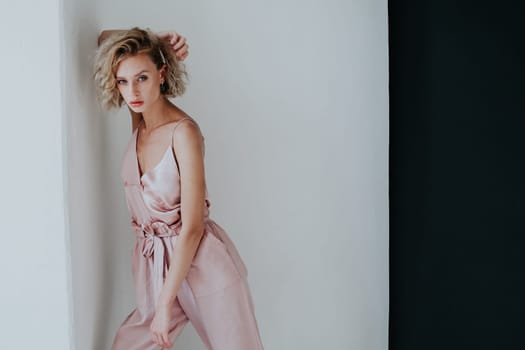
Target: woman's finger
point(182, 50)
point(171, 37)
point(167, 35)
point(157, 338)
point(174, 37)
point(154, 338)
point(165, 340)
point(180, 43)
point(183, 57)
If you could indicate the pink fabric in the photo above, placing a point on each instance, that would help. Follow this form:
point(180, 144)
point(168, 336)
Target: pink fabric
point(215, 295)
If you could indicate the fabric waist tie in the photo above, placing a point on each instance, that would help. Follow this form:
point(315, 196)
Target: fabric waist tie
point(152, 247)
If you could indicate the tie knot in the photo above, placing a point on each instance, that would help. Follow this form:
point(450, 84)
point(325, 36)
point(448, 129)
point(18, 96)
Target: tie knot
point(149, 245)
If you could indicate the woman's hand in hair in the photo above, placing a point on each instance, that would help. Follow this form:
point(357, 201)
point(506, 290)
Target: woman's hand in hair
point(177, 42)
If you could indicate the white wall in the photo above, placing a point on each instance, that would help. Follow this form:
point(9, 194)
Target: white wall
point(90, 227)
point(34, 261)
point(292, 99)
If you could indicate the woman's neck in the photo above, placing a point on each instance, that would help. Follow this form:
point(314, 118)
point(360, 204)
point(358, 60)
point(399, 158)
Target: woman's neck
point(158, 114)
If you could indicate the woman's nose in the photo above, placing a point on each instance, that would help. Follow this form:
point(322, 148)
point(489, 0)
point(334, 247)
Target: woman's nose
point(134, 89)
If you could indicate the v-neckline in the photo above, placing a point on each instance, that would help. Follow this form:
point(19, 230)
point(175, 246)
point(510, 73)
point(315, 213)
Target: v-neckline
point(141, 176)
point(137, 163)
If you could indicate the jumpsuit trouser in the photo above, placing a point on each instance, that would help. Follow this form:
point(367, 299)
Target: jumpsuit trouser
point(214, 296)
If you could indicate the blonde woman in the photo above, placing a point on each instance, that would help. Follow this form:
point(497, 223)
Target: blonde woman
point(185, 267)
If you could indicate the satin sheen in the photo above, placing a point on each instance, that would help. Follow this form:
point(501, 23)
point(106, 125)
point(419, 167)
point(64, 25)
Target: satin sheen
point(214, 296)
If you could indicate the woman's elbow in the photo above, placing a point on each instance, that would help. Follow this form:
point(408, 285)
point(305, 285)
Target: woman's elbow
point(192, 232)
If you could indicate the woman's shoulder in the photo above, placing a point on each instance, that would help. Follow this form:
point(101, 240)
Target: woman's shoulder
point(186, 132)
point(186, 124)
point(182, 126)
point(187, 129)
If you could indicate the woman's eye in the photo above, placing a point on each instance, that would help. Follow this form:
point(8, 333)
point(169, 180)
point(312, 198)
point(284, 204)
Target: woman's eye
point(142, 78)
point(121, 81)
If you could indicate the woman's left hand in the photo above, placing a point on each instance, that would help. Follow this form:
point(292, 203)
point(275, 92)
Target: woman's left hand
point(160, 327)
point(177, 42)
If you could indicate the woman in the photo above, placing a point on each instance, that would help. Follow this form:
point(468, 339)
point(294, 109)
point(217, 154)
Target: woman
point(185, 267)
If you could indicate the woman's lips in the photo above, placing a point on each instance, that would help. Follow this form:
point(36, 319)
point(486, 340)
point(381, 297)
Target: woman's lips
point(136, 103)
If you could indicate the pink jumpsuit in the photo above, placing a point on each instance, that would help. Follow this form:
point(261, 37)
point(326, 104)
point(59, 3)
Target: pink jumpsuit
point(214, 296)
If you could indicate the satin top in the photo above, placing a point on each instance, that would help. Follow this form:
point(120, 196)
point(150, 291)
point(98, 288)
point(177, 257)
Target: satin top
point(154, 199)
point(154, 202)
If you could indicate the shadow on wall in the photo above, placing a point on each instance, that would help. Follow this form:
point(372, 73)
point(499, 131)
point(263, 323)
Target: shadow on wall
point(89, 215)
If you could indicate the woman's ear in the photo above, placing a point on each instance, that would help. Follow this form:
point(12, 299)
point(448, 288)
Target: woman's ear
point(162, 73)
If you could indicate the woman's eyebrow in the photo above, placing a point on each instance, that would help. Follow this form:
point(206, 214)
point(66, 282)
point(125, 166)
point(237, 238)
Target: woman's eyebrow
point(139, 73)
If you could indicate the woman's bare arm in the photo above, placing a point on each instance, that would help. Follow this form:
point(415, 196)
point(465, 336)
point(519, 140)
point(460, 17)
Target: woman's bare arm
point(189, 151)
point(178, 42)
point(107, 33)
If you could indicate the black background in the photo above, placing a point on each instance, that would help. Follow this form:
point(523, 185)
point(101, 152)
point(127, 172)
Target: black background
point(457, 193)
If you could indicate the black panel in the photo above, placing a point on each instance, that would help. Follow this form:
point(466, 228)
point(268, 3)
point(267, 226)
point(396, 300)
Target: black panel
point(457, 193)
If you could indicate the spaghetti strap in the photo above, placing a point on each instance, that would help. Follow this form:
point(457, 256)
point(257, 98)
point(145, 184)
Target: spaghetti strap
point(173, 134)
point(178, 123)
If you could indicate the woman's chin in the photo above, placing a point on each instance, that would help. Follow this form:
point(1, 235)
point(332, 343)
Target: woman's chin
point(136, 109)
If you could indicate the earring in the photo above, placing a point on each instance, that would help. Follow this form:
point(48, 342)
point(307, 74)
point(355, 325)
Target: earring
point(163, 87)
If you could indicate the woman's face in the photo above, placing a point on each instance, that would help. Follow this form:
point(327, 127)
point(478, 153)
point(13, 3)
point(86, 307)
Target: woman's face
point(138, 81)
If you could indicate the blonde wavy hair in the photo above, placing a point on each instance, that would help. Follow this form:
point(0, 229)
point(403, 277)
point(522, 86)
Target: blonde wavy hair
point(129, 43)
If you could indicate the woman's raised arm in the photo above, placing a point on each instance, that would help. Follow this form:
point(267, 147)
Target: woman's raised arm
point(177, 41)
